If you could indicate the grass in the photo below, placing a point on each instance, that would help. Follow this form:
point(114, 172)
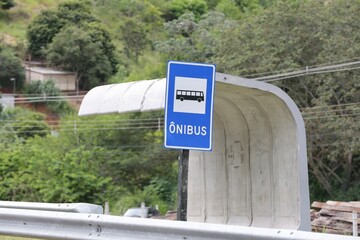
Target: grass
point(14, 22)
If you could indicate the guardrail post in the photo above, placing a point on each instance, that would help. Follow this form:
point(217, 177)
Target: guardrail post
point(106, 208)
point(355, 223)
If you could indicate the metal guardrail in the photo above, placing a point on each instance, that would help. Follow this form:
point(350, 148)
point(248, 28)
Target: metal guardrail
point(61, 225)
point(57, 207)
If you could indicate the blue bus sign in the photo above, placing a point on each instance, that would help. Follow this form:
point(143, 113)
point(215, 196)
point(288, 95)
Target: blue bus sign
point(189, 105)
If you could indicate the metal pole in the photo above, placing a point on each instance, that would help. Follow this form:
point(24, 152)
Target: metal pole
point(183, 185)
point(13, 80)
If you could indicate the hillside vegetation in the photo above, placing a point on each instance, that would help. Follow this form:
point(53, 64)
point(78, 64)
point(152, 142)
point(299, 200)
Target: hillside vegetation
point(308, 48)
point(14, 22)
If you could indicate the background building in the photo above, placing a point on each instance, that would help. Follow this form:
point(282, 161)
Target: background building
point(64, 80)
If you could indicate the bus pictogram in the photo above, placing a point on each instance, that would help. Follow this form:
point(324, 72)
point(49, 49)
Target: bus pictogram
point(190, 95)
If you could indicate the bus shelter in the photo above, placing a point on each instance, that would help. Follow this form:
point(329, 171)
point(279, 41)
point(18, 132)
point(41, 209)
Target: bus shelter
point(256, 175)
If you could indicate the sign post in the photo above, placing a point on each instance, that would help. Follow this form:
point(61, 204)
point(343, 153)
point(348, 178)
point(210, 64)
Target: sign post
point(182, 185)
point(188, 116)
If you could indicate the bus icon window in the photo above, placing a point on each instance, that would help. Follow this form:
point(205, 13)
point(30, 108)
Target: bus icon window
point(190, 95)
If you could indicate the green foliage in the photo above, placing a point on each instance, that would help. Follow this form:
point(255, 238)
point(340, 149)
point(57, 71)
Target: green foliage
point(134, 155)
point(49, 169)
point(229, 8)
point(180, 7)
point(148, 67)
point(47, 89)
point(124, 152)
point(14, 174)
point(116, 158)
point(73, 49)
point(10, 67)
point(161, 191)
point(42, 30)
point(247, 5)
point(135, 38)
point(256, 36)
point(287, 37)
point(23, 123)
point(71, 38)
point(121, 11)
point(30, 125)
point(144, 11)
point(136, 21)
point(193, 41)
point(73, 178)
point(134, 151)
point(99, 34)
point(75, 12)
point(50, 22)
point(211, 4)
point(130, 200)
point(7, 4)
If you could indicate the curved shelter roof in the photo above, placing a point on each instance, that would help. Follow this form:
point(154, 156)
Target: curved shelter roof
point(256, 174)
point(146, 95)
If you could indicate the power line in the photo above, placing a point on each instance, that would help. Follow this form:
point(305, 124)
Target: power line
point(319, 72)
point(78, 129)
point(67, 93)
point(45, 96)
point(333, 116)
point(82, 120)
point(19, 100)
point(310, 71)
point(299, 69)
point(331, 106)
point(342, 111)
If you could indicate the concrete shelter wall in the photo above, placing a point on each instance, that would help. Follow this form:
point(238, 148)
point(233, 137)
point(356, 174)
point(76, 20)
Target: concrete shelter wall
point(251, 177)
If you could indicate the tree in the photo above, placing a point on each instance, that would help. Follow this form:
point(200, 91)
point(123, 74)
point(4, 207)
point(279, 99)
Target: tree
point(75, 12)
point(49, 30)
point(92, 159)
point(7, 4)
point(191, 40)
point(42, 30)
point(134, 153)
point(229, 8)
point(180, 7)
point(51, 169)
point(247, 5)
point(137, 22)
point(10, 68)
point(99, 34)
point(73, 49)
point(287, 37)
point(135, 38)
point(46, 25)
